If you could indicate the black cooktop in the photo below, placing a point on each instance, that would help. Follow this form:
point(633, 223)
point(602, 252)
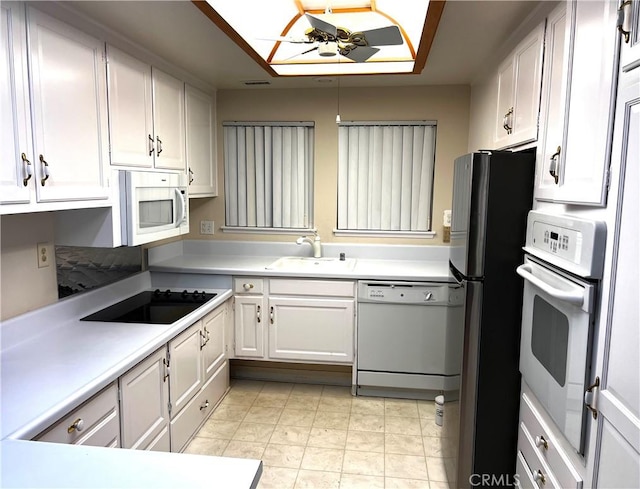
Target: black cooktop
point(152, 307)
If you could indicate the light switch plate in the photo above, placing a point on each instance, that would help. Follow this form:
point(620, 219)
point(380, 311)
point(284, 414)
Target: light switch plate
point(206, 227)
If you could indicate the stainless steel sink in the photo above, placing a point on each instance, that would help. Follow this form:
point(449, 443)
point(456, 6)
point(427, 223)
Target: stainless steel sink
point(308, 264)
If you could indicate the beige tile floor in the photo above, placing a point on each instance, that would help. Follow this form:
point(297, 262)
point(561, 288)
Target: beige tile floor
point(313, 436)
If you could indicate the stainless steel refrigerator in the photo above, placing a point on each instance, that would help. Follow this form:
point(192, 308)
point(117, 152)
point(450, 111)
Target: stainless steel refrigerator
point(492, 193)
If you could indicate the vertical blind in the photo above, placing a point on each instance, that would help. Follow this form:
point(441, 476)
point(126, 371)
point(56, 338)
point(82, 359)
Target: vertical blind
point(268, 174)
point(385, 176)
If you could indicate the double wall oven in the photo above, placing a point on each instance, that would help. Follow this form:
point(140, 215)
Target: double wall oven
point(562, 268)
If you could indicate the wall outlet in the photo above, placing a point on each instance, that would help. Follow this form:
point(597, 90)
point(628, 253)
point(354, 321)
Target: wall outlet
point(45, 255)
point(206, 227)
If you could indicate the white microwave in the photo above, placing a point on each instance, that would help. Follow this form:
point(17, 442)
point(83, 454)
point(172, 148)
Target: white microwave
point(154, 206)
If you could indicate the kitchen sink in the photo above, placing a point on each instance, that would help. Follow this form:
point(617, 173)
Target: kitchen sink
point(307, 264)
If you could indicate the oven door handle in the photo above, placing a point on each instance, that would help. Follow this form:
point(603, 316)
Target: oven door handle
point(572, 297)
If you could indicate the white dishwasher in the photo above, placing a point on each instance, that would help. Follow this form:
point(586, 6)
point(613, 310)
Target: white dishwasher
point(409, 339)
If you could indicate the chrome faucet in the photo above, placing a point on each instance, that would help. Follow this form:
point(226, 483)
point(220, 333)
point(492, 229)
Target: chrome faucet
point(315, 244)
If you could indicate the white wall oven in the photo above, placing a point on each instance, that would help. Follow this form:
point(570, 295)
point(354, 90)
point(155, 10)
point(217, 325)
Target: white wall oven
point(154, 206)
point(561, 270)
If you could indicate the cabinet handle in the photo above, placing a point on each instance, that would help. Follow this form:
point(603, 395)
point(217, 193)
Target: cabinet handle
point(624, 20)
point(554, 165)
point(150, 145)
point(259, 314)
point(27, 169)
point(203, 340)
point(272, 315)
point(247, 286)
point(78, 425)
point(538, 476)
point(166, 369)
point(190, 176)
point(541, 442)
point(45, 170)
point(159, 141)
point(204, 405)
point(507, 121)
point(589, 397)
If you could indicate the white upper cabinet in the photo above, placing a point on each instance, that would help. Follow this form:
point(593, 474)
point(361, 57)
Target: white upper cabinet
point(54, 118)
point(15, 133)
point(130, 110)
point(69, 109)
point(573, 160)
point(201, 143)
point(146, 108)
point(518, 83)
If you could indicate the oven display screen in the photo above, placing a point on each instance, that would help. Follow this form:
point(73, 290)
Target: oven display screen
point(554, 236)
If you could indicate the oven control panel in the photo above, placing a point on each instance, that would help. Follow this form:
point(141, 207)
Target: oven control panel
point(571, 243)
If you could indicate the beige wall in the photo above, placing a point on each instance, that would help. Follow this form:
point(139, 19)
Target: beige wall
point(448, 105)
point(24, 286)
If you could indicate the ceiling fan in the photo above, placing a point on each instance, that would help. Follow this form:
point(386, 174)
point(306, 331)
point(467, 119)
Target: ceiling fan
point(330, 40)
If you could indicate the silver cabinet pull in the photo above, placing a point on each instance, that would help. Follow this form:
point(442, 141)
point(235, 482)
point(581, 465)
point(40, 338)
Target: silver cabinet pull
point(538, 476)
point(554, 165)
point(159, 141)
point(28, 171)
point(190, 176)
point(507, 121)
point(271, 315)
point(204, 405)
point(259, 314)
point(541, 442)
point(45, 170)
point(78, 425)
point(589, 397)
point(150, 145)
point(624, 20)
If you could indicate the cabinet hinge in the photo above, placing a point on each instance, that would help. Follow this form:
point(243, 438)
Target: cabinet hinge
point(119, 394)
point(608, 178)
point(169, 406)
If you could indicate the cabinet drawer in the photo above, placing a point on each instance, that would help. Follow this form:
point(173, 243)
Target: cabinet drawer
point(525, 479)
point(185, 424)
point(97, 422)
point(248, 285)
point(534, 466)
point(326, 288)
point(546, 446)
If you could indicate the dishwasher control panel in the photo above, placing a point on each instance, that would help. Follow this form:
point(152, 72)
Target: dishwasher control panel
point(409, 293)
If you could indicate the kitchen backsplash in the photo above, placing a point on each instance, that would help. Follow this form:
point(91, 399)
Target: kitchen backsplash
point(80, 269)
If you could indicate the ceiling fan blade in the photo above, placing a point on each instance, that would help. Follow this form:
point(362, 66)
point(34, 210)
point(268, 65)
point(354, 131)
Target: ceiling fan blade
point(321, 25)
point(384, 36)
point(360, 54)
point(286, 39)
point(300, 54)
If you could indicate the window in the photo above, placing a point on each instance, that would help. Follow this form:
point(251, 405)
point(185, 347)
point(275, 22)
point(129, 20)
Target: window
point(385, 177)
point(268, 176)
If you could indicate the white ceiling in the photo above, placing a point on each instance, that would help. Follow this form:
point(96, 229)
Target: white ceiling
point(469, 34)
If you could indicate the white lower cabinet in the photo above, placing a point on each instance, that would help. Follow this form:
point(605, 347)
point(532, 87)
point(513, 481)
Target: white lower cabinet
point(94, 423)
point(185, 375)
point(144, 397)
point(295, 320)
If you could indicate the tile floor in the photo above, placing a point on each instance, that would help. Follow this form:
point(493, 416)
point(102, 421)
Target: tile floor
point(313, 436)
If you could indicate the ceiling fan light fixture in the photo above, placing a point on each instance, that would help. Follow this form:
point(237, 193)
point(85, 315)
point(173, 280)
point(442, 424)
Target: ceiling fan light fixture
point(329, 48)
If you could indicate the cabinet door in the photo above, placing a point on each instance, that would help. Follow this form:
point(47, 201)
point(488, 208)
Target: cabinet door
point(130, 110)
point(618, 360)
point(185, 366)
point(249, 332)
point(168, 121)
point(504, 111)
point(15, 131)
point(144, 401)
point(201, 143)
point(589, 124)
point(552, 108)
point(311, 329)
point(213, 351)
point(69, 109)
point(526, 98)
